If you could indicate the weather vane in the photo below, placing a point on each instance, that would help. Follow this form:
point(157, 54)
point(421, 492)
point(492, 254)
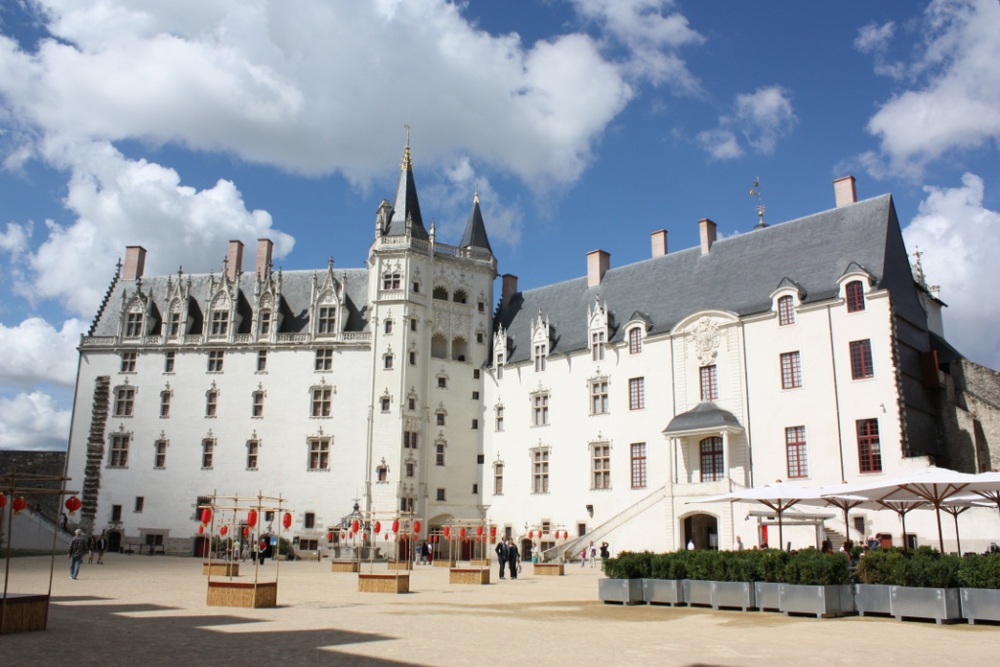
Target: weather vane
point(755, 192)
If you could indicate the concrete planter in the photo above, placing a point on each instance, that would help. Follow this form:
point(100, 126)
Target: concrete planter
point(383, 583)
point(941, 604)
point(620, 591)
point(980, 604)
point(662, 591)
point(733, 595)
point(469, 575)
point(697, 593)
point(872, 599)
point(768, 595)
point(548, 569)
point(818, 601)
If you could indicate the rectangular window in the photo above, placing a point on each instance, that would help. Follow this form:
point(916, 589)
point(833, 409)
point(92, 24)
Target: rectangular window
point(440, 418)
point(413, 358)
point(168, 362)
point(540, 470)
point(319, 453)
point(601, 467)
point(712, 460)
point(388, 326)
point(385, 402)
point(116, 512)
point(410, 439)
point(540, 353)
point(795, 446)
point(215, 359)
point(540, 409)
point(265, 322)
point(174, 327)
point(327, 323)
point(261, 361)
point(413, 322)
point(308, 522)
point(390, 281)
point(635, 341)
point(442, 383)
point(220, 323)
point(638, 465)
point(439, 454)
point(475, 395)
point(411, 468)
point(475, 489)
point(140, 502)
point(499, 365)
point(599, 397)
point(119, 451)
point(124, 401)
point(211, 403)
point(786, 311)
point(709, 383)
point(861, 360)
point(128, 362)
point(388, 362)
point(207, 452)
point(636, 393)
point(411, 403)
point(597, 340)
point(258, 404)
point(791, 370)
point(855, 296)
point(324, 360)
point(498, 479)
point(440, 494)
point(253, 448)
point(133, 325)
point(165, 404)
point(475, 424)
point(869, 446)
point(499, 418)
point(160, 454)
point(321, 401)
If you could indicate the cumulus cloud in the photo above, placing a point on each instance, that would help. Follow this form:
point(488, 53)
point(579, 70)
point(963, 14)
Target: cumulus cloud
point(953, 99)
point(960, 241)
point(761, 117)
point(33, 421)
point(36, 352)
point(873, 37)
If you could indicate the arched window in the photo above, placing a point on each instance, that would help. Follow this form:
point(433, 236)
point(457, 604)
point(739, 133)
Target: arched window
point(439, 346)
point(441, 293)
point(786, 311)
point(460, 296)
point(855, 296)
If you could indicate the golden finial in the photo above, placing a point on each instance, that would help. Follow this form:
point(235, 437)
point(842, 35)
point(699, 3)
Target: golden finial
point(755, 192)
point(407, 162)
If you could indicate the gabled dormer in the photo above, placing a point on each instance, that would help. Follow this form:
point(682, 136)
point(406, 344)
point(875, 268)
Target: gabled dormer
point(179, 317)
point(267, 313)
point(139, 315)
point(540, 332)
point(326, 304)
point(597, 329)
point(855, 284)
point(785, 301)
point(223, 320)
point(499, 351)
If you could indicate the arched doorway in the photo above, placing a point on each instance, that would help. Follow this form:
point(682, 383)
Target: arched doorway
point(703, 530)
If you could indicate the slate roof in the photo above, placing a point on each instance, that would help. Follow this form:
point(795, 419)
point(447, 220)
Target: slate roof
point(475, 230)
point(406, 206)
point(704, 416)
point(738, 275)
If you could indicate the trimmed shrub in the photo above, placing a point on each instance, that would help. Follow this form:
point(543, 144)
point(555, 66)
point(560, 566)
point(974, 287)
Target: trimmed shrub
point(815, 568)
point(771, 565)
point(629, 565)
point(880, 566)
point(923, 568)
point(980, 570)
point(669, 566)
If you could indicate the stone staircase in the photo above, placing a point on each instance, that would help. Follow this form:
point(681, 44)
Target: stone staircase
point(95, 453)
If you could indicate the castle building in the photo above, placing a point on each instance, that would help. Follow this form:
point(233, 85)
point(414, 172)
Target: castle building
point(595, 408)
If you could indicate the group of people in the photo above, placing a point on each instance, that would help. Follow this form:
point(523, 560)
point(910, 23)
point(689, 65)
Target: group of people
point(82, 545)
point(508, 556)
point(589, 554)
point(424, 554)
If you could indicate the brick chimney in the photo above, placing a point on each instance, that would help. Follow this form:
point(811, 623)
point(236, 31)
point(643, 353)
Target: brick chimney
point(844, 191)
point(598, 263)
point(135, 262)
point(707, 228)
point(235, 263)
point(658, 240)
point(264, 249)
point(508, 290)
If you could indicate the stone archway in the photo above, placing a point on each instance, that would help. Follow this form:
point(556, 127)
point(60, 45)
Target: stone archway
point(702, 529)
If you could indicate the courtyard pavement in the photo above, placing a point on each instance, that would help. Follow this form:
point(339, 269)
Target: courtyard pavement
point(151, 611)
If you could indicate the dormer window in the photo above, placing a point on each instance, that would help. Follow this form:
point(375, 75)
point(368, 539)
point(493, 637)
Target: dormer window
point(265, 322)
point(597, 342)
point(220, 323)
point(635, 340)
point(327, 321)
point(855, 292)
point(540, 354)
point(133, 325)
point(786, 311)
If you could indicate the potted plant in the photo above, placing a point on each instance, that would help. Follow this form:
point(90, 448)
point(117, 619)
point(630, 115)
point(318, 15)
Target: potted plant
point(697, 585)
point(624, 574)
point(926, 586)
point(664, 585)
point(875, 577)
point(732, 576)
point(979, 576)
point(817, 583)
point(770, 572)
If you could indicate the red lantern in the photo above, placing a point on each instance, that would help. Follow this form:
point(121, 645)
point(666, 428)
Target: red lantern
point(206, 516)
point(223, 530)
point(493, 533)
point(387, 537)
point(286, 520)
point(364, 537)
point(329, 536)
point(395, 525)
point(447, 532)
point(416, 526)
point(252, 518)
point(201, 529)
point(19, 504)
point(355, 526)
point(350, 534)
point(531, 534)
point(466, 540)
point(343, 535)
point(479, 530)
point(246, 531)
point(462, 532)
point(73, 504)
point(378, 527)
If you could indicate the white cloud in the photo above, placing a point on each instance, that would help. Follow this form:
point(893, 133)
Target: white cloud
point(121, 202)
point(33, 421)
point(762, 117)
point(721, 144)
point(35, 352)
point(15, 239)
point(451, 197)
point(960, 242)
point(874, 37)
point(954, 102)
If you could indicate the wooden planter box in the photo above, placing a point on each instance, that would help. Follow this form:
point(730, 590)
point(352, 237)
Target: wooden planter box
point(980, 604)
point(469, 575)
point(941, 604)
point(400, 565)
point(621, 591)
point(662, 591)
point(768, 594)
point(240, 594)
point(479, 562)
point(872, 599)
point(443, 562)
point(24, 613)
point(221, 568)
point(818, 601)
point(548, 569)
point(697, 593)
point(383, 583)
point(733, 595)
point(345, 566)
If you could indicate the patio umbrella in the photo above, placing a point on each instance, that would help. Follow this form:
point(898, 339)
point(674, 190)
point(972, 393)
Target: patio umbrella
point(778, 497)
point(839, 496)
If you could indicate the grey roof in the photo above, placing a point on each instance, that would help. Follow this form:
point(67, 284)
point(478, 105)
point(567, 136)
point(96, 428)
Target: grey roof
point(296, 289)
point(406, 207)
point(704, 416)
point(475, 230)
point(738, 275)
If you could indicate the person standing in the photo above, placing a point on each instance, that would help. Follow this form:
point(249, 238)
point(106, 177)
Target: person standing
point(690, 545)
point(77, 548)
point(593, 555)
point(91, 548)
point(738, 545)
point(102, 546)
point(512, 558)
point(605, 551)
point(583, 557)
point(502, 553)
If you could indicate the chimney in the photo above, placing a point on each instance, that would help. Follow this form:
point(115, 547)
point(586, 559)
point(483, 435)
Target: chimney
point(235, 263)
point(707, 228)
point(135, 262)
point(843, 190)
point(264, 248)
point(598, 263)
point(508, 290)
point(659, 243)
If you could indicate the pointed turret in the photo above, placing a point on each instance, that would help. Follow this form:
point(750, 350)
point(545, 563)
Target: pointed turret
point(475, 231)
point(405, 215)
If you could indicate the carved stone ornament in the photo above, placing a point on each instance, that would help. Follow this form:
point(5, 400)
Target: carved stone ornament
point(705, 337)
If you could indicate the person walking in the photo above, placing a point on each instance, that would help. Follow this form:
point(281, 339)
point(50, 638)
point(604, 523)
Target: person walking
point(91, 549)
point(502, 552)
point(102, 545)
point(512, 558)
point(583, 557)
point(77, 549)
point(593, 555)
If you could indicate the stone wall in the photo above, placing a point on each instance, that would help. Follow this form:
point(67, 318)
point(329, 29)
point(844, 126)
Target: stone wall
point(974, 417)
point(37, 463)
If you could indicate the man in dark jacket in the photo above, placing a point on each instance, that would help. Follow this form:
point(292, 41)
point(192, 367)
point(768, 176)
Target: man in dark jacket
point(512, 558)
point(502, 553)
point(77, 549)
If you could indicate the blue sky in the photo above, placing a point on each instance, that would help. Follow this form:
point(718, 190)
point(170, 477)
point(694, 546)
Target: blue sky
point(584, 124)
